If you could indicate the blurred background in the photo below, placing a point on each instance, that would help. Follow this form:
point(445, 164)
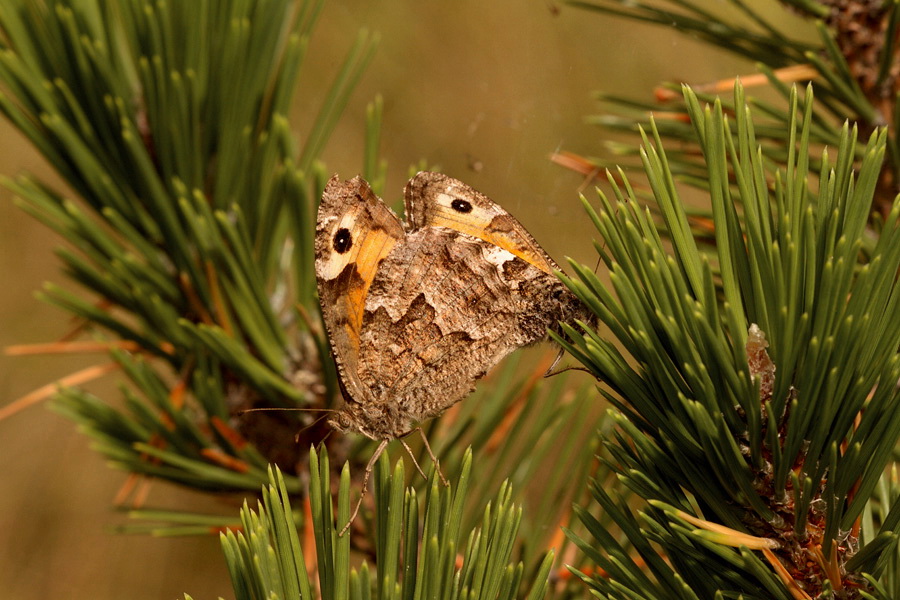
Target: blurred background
point(483, 90)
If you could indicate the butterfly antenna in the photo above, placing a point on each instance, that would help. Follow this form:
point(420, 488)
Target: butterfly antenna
point(310, 426)
point(365, 485)
point(269, 408)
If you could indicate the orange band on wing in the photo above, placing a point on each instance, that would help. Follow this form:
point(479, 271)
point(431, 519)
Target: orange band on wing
point(373, 248)
point(508, 240)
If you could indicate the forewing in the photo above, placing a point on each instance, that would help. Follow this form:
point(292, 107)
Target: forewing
point(355, 231)
point(436, 200)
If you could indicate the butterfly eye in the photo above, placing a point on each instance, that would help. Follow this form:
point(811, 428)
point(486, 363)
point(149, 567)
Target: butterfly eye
point(461, 206)
point(342, 240)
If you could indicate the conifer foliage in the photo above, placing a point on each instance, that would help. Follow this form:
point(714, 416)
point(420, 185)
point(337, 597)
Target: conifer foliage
point(751, 368)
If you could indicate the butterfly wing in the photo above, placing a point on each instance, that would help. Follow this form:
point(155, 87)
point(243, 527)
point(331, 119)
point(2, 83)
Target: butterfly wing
point(436, 200)
point(444, 308)
point(355, 231)
point(416, 317)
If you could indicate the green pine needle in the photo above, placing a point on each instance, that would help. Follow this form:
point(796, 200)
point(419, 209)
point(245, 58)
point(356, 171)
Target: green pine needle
point(841, 64)
point(266, 560)
point(784, 436)
point(169, 121)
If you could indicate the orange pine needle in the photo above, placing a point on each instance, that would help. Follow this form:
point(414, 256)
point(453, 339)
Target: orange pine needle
point(559, 536)
point(218, 530)
point(705, 224)
point(449, 417)
point(785, 74)
point(830, 566)
point(664, 94)
point(581, 165)
point(217, 299)
point(136, 485)
point(574, 162)
point(126, 488)
point(721, 534)
point(45, 391)
point(156, 441)
point(193, 299)
point(222, 459)
point(176, 394)
point(308, 544)
point(793, 587)
point(311, 324)
point(143, 491)
point(229, 433)
point(84, 347)
point(671, 115)
point(564, 574)
point(82, 324)
point(513, 411)
point(167, 421)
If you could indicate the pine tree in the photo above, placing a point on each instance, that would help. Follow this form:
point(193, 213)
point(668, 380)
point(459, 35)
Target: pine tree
point(750, 366)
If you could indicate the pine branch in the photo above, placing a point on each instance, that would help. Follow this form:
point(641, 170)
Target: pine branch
point(764, 401)
point(852, 66)
point(170, 122)
point(188, 260)
point(267, 559)
point(534, 435)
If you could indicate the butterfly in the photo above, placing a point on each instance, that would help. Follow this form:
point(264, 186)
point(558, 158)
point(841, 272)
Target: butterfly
point(418, 311)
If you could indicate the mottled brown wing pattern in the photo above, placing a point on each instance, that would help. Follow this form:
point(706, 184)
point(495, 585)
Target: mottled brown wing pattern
point(417, 315)
point(436, 200)
point(444, 309)
point(355, 231)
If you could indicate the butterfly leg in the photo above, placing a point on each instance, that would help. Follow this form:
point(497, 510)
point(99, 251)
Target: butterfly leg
point(413, 457)
point(362, 494)
point(437, 463)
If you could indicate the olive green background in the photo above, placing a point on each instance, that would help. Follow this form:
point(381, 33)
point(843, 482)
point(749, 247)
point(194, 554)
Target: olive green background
point(485, 90)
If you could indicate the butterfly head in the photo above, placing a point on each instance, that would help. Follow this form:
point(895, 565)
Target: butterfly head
point(342, 422)
point(375, 420)
point(568, 308)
